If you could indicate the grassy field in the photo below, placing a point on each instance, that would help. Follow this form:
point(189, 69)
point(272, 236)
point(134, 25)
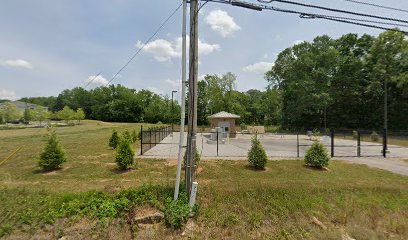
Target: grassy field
point(235, 202)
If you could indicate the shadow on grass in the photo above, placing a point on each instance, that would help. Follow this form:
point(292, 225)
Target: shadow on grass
point(252, 168)
point(120, 171)
point(321, 169)
point(45, 171)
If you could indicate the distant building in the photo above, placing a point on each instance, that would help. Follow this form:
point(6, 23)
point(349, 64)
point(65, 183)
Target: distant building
point(23, 105)
point(224, 120)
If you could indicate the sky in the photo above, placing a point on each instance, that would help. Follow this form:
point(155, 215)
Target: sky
point(47, 46)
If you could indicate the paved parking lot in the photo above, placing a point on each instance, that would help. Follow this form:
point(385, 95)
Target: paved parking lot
point(279, 146)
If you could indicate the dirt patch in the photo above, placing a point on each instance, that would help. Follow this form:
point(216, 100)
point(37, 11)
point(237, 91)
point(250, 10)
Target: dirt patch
point(172, 162)
point(93, 157)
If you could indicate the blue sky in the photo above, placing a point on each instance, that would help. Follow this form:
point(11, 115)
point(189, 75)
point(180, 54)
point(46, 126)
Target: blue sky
point(47, 46)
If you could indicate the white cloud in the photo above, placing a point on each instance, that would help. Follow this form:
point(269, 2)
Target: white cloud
point(298, 42)
point(173, 83)
point(8, 94)
point(16, 63)
point(161, 49)
point(260, 67)
point(97, 80)
point(164, 50)
point(222, 23)
point(155, 90)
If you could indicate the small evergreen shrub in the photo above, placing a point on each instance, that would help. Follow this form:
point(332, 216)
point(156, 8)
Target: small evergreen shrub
point(124, 155)
point(317, 156)
point(176, 212)
point(374, 136)
point(127, 136)
point(257, 157)
point(114, 139)
point(53, 155)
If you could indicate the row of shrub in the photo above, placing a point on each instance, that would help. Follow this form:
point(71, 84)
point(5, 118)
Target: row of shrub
point(316, 156)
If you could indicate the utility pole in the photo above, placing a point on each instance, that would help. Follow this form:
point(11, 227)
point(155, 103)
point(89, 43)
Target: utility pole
point(183, 100)
point(192, 97)
point(385, 140)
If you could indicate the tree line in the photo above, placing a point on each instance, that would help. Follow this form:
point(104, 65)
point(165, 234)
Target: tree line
point(343, 79)
point(114, 103)
point(11, 113)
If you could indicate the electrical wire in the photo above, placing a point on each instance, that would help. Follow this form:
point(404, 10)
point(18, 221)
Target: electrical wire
point(335, 10)
point(93, 79)
point(377, 5)
point(145, 43)
point(371, 21)
point(353, 21)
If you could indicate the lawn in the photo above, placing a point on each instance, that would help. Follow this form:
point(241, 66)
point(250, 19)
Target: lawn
point(234, 201)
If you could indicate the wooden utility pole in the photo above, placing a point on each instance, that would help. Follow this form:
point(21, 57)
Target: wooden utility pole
point(192, 97)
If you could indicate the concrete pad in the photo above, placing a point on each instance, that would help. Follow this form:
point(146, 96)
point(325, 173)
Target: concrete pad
point(281, 146)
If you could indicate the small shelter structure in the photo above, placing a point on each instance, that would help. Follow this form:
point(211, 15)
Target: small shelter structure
point(224, 120)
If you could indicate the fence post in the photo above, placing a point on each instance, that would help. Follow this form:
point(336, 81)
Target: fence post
point(217, 143)
point(150, 141)
point(141, 139)
point(332, 142)
point(155, 137)
point(385, 143)
point(297, 141)
point(358, 144)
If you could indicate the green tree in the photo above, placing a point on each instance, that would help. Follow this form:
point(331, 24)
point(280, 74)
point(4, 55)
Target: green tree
point(53, 156)
point(79, 115)
point(28, 114)
point(257, 157)
point(41, 114)
point(66, 114)
point(124, 155)
point(10, 112)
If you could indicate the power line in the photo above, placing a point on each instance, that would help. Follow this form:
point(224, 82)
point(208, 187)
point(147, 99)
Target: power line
point(371, 21)
point(93, 79)
point(334, 10)
point(354, 21)
point(336, 19)
point(377, 5)
point(145, 43)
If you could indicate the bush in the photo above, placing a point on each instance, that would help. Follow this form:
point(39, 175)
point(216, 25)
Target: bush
point(257, 156)
point(114, 139)
point(243, 126)
point(127, 136)
point(124, 155)
point(317, 156)
point(176, 212)
point(53, 155)
point(374, 136)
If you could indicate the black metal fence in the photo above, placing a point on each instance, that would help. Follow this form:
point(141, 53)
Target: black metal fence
point(152, 136)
